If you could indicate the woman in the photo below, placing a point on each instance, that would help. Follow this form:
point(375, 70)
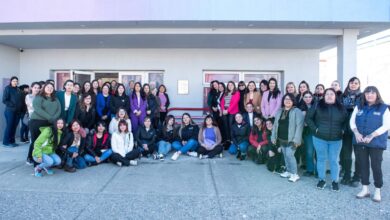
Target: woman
point(153, 106)
point(302, 88)
point(95, 87)
point(209, 139)
point(327, 122)
point(308, 103)
point(76, 90)
point(253, 96)
point(287, 132)
point(370, 122)
point(258, 141)
point(87, 89)
point(221, 93)
point(35, 89)
point(336, 86)
point(47, 109)
point(85, 113)
point(350, 99)
point(263, 86)
point(229, 105)
point(239, 134)
point(122, 144)
point(146, 139)
point(119, 100)
point(114, 85)
point(103, 105)
point(271, 99)
point(68, 101)
point(74, 147)
point(272, 151)
point(45, 146)
point(290, 88)
point(120, 115)
point(138, 107)
point(188, 138)
point(164, 102)
point(168, 134)
point(242, 90)
point(98, 145)
point(319, 92)
point(23, 115)
point(12, 99)
point(212, 98)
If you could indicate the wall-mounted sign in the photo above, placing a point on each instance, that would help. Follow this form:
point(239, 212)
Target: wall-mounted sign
point(182, 87)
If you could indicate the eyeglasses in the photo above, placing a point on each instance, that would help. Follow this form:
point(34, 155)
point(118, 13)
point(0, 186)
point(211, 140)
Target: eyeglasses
point(307, 97)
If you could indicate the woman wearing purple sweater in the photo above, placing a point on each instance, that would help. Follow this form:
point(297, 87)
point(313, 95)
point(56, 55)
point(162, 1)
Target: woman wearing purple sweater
point(271, 100)
point(137, 107)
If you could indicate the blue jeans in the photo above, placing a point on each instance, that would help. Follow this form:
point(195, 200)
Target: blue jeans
point(289, 159)
point(243, 146)
point(164, 147)
point(12, 120)
point(48, 160)
point(309, 147)
point(77, 162)
point(106, 154)
point(191, 144)
point(327, 150)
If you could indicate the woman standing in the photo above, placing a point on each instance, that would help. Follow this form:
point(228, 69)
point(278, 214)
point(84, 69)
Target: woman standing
point(164, 102)
point(153, 106)
point(253, 96)
point(370, 122)
point(119, 100)
point(302, 88)
point(98, 145)
point(221, 126)
point(350, 99)
point(168, 134)
point(86, 113)
point(242, 90)
point(212, 98)
point(12, 98)
point(138, 107)
point(95, 87)
point(319, 92)
point(188, 138)
point(327, 122)
point(240, 134)
point(263, 86)
point(271, 99)
point(336, 86)
point(290, 88)
point(209, 139)
point(287, 132)
point(68, 101)
point(229, 105)
point(47, 109)
point(122, 144)
point(103, 105)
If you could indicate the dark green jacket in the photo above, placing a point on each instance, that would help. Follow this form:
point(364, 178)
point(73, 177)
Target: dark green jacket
point(72, 106)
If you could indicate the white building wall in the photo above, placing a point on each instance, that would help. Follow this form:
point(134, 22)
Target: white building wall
point(177, 64)
point(9, 66)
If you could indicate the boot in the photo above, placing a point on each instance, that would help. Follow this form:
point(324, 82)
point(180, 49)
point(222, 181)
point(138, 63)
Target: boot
point(377, 195)
point(364, 193)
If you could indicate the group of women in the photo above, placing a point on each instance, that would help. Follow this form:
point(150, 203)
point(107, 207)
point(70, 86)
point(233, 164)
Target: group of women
point(76, 128)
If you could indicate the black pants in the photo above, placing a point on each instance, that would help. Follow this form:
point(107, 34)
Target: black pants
point(34, 126)
point(211, 153)
point(134, 154)
point(151, 147)
point(375, 156)
point(163, 115)
point(277, 161)
point(227, 121)
point(346, 158)
point(300, 155)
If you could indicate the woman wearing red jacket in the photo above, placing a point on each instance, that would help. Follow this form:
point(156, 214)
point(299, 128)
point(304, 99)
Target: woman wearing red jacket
point(229, 105)
point(258, 140)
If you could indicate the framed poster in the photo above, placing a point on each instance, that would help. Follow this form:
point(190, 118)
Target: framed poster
point(182, 87)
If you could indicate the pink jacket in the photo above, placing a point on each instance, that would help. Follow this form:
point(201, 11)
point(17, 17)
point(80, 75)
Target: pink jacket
point(269, 108)
point(233, 107)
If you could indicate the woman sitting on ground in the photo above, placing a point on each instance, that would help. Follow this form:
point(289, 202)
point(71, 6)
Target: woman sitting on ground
point(122, 144)
point(168, 134)
point(188, 138)
point(239, 133)
point(99, 145)
point(146, 138)
point(258, 141)
point(121, 114)
point(209, 139)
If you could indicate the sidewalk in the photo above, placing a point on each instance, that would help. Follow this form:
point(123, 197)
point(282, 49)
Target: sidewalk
point(185, 189)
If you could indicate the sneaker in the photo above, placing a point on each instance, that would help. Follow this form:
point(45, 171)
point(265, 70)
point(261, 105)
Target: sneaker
point(220, 155)
point(37, 172)
point(70, 169)
point(155, 157)
point(321, 184)
point(48, 171)
point(8, 145)
point(285, 174)
point(192, 154)
point(293, 178)
point(175, 156)
point(204, 157)
point(29, 162)
point(133, 163)
point(243, 157)
point(161, 157)
point(345, 181)
point(335, 186)
point(119, 164)
point(200, 156)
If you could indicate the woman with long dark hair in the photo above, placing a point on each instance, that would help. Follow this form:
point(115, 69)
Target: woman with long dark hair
point(253, 96)
point(263, 87)
point(271, 100)
point(188, 138)
point(168, 134)
point(138, 105)
point(209, 139)
point(258, 141)
point(103, 100)
point(229, 105)
point(212, 98)
point(302, 88)
point(98, 145)
point(68, 101)
point(86, 113)
point(153, 106)
point(241, 88)
point(164, 102)
point(119, 100)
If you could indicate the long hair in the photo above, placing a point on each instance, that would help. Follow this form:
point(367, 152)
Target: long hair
point(307, 86)
point(117, 113)
point(90, 88)
point(274, 94)
point(234, 88)
point(142, 93)
point(182, 122)
point(212, 121)
point(322, 104)
point(117, 87)
point(291, 96)
point(123, 122)
point(54, 133)
point(368, 89)
point(247, 87)
point(43, 93)
point(165, 125)
point(83, 107)
point(158, 90)
point(295, 88)
point(255, 129)
point(346, 90)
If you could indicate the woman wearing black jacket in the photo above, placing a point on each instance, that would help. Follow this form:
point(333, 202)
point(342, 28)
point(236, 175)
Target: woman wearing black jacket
point(164, 102)
point(146, 138)
point(240, 137)
point(98, 145)
point(153, 106)
point(119, 100)
point(12, 98)
point(168, 134)
point(86, 113)
point(327, 122)
point(188, 138)
point(212, 99)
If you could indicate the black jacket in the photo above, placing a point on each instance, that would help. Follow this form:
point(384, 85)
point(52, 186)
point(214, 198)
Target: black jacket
point(92, 147)
point(245, 116)
point(143, 136)
point(68, 140)
point(327, 122)
point(12, 98)
point(190, 131)
point(167, 97)
point(240, 134)
point(87, 119)
point(168, 136)
point(153, 106)
point(117, 102)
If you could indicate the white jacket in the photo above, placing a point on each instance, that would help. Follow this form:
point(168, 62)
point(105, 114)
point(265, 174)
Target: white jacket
point(113, 127)
point(122, 143)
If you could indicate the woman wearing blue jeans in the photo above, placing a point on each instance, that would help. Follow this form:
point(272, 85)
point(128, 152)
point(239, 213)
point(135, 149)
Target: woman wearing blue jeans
point(327, 121)
point(168, 134)
point(188, 138)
